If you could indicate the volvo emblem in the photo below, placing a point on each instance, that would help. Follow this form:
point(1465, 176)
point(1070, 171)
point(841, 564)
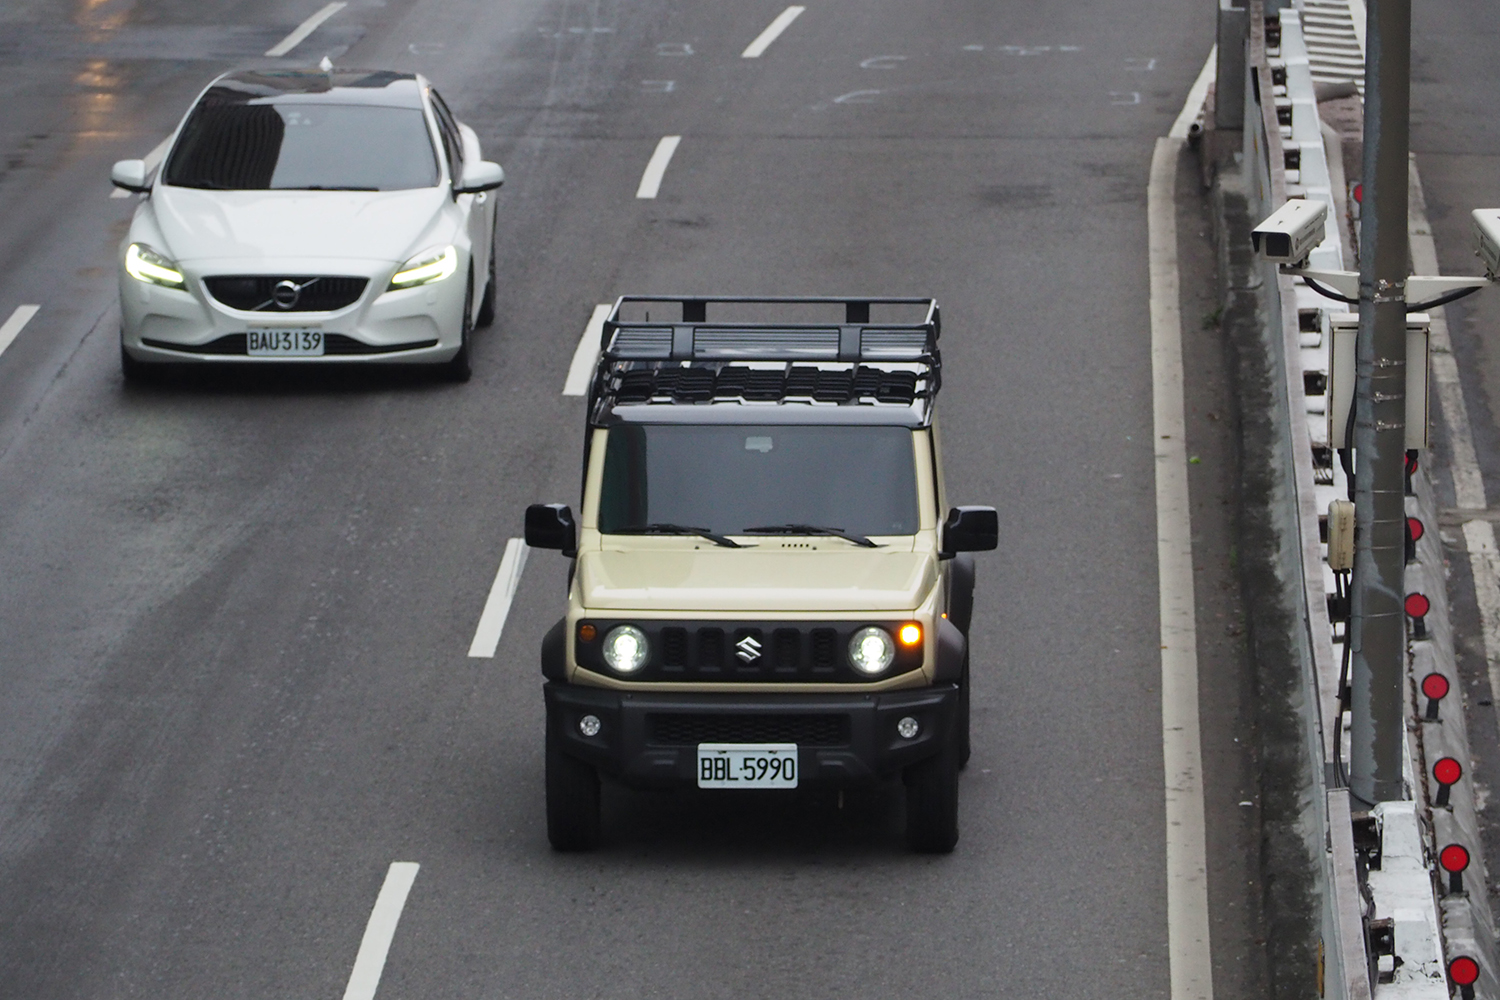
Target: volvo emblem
point(286, 293)
point(748, 649)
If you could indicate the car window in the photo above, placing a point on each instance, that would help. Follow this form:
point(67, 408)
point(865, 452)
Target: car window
point(233, 143)
point(729, 478)
point(453, 140)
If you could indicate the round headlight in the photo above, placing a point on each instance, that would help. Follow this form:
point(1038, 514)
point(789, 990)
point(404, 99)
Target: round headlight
point(625, 649)
point(871, 650)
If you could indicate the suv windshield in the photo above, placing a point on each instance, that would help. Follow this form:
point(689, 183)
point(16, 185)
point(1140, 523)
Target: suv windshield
point(235, 143)
point(727, 479)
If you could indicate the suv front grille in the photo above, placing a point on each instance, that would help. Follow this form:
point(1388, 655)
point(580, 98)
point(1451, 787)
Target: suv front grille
point(257, 292)
point(665, 729)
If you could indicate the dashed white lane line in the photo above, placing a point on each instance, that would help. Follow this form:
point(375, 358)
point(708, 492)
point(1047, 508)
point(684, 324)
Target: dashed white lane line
point(302, 30)
point(581, 371)
point(17, 322)
point(773, 31)
point(497, 607)
point(656, 168)
point(370, 962)
point(152, 159)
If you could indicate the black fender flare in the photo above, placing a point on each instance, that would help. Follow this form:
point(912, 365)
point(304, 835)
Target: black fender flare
point(961, 590)
point(952, 650)
point(555, 652)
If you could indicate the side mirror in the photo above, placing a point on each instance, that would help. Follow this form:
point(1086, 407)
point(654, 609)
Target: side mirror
point(130, 175)
point(481, 176)
point(970, 529)
point(550, 526)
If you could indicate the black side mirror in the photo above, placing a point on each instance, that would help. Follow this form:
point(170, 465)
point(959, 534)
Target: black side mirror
point(550, 526)
point(970, 529)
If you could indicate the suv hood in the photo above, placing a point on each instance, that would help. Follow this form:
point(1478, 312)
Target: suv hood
point(761, 581)
point(362, 225)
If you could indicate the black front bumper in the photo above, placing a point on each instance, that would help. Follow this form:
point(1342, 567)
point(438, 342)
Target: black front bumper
point(651, 739)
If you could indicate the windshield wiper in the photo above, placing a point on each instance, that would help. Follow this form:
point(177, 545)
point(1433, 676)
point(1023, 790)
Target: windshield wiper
point(812, 529)
point(205, 185)
point(661, 528)
point(327, 187)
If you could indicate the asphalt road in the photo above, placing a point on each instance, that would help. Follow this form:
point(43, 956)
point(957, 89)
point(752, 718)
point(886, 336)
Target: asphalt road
point(235, 612)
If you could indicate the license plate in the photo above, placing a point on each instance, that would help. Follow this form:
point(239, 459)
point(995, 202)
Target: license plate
point(747, 765)
point(284, 343)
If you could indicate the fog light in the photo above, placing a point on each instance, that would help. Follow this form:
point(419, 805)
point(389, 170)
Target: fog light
point(908, 728)
point(590, 725)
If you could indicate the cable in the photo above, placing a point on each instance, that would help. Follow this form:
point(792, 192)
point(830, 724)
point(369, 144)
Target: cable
point(1328, 293)
point(1443, 300)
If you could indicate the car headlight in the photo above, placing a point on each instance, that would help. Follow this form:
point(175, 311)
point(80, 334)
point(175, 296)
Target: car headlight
point(625, 649)
point(432, 264)
point(144, 264)
point(871, 650)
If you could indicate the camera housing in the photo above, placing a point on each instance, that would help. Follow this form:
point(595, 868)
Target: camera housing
point(1487, 236)
point(1291, 232)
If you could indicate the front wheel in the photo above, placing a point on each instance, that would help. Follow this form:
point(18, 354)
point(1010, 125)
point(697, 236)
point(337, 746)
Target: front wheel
point(932, 801)
point(487, 297)
point(459, 369)
point(572, 800)
point(961, 720)
point(134, 372)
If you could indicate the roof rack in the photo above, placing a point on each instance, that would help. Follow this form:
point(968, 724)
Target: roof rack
point(870, 351)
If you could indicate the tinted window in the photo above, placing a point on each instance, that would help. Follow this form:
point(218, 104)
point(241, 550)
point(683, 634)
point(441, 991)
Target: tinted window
point(453, 143)
point(233, 143)
point(727, 479)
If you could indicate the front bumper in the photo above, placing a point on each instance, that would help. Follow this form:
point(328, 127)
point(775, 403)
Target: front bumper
point(650, 739)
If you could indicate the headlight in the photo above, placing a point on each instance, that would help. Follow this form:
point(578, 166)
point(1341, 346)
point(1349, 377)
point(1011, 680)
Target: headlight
point(144, 264)
point(625, 649)
point(433, 264)
point(871, 650)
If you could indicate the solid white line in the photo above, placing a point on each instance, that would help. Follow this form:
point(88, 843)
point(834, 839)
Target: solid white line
point(302, 30)
point(1468, 483)
point(773, 31)
point(497, 607)
point(370, 961)
point(657, 167)
point(581, 371)
point(17, 322)
point(1196, 95)
point(1182, 754)
point(151, 160)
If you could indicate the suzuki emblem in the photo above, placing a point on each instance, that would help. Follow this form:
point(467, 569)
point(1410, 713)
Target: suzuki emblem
point(748, 649)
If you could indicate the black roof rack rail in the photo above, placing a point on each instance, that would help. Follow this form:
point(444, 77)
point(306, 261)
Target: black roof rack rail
point(769, 333)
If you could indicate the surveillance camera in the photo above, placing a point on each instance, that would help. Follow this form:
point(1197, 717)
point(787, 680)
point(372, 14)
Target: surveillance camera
point(1291, 232)
point(1487, 234)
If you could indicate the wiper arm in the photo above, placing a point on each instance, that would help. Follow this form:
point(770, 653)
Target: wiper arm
point(662, 528)
point(327, 187)
point(812, 529)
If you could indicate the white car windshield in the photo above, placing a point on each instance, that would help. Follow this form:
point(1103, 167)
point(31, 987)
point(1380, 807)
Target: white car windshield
point(782, 479)
point(231, 144)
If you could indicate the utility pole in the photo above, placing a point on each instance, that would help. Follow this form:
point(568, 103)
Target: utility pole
point(1378, 624)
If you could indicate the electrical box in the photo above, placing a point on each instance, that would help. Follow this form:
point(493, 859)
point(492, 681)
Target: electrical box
point(1342, 375)
point(1341, 535)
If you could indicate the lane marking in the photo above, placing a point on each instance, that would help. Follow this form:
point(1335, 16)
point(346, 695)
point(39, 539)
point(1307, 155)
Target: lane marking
point(1188, 945)
point(302, 30)
point(497, 605)
point(581, 371)
point(151, 159)
point(773, 31)
point(1197, 93)
point(857, 97)
point(1468, 483)
point(17, 322)
point(657, 166)
point(370, 962)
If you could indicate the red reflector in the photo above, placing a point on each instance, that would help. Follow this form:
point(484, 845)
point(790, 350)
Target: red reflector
point(1463, 970)
point(1411, 463)
point(1447, 771)
point(1359, 193)
point(1417, 605)
point(1435, 686)
point(1414, 529)
point(1454, 858)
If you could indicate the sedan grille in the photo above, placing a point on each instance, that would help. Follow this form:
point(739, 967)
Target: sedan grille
point(279, 293)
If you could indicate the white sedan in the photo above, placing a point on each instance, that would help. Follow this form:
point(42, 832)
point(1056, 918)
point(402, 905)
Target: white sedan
point(304, 216)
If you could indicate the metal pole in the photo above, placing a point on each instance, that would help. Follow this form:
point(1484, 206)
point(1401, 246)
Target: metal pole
point(1379, 623)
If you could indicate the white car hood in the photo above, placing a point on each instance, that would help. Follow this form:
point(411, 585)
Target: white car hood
point(361, 225)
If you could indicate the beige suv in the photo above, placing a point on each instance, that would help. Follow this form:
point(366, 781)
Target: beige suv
point(765, 591)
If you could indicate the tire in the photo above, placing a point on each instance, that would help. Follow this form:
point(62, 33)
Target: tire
point(487, 300)
point(572, 800)
point(932, 801)
point(135, 372)
point(961, 717)
point(460, 369)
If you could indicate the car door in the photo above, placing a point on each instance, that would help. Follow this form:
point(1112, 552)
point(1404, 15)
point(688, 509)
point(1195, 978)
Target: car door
point(476, 209)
